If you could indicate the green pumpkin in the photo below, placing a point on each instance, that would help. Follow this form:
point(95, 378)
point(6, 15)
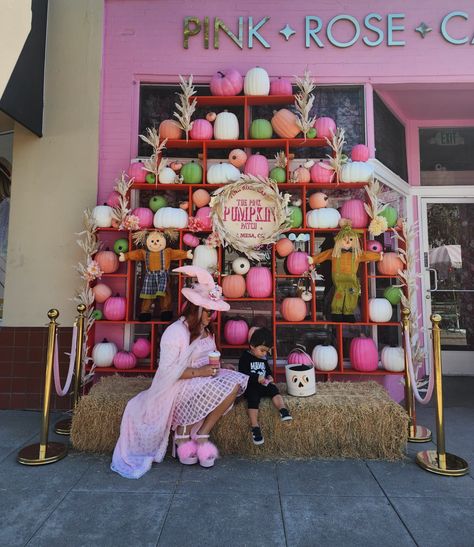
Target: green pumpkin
point(261, 129)
point(278, 174)
point(192, 173)
point(121, 246)
point(157, 202)
point(393, 295)
point(97, 315)
point(150, 178)
point(390, 213)
point(296, 216)
point(311, 134)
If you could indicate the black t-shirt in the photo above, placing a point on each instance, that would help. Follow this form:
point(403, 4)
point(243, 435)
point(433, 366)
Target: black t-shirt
point(253, 367)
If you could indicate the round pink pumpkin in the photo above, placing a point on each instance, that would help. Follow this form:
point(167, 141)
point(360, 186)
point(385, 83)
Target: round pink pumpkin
point(257, 165)
point(101, 292)
point(113, 200)
point(115, 308)
point(228, 82)
point(280, 86)
point(204, 215)
point(125, 360)
point(141, 348)
point(360, 152)
point(363, 354)
point(325, 127)
point(297, 263)
point(145, 217)
point(191, 240)
point(137, 172)
point(321, 173)
point(354, 210)
point(299, 357)
point(236, 332)
point(259, 282)
point(201, 130)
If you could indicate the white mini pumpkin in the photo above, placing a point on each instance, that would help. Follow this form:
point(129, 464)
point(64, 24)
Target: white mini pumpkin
point(170, 217)
point(323, 218)
point(103, 353)
point(205, 257)
point(357, 171)
point(222, 172)
point(102, 215)
point(393, 359)
point(256, 82)
point(167, 176)
point(380, 310)
point(226, 126)
point(241, 265)
point(325, 357)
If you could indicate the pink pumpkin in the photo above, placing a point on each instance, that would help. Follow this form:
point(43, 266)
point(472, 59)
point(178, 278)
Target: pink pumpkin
point(145, 217)
point(298, 356)
point(325, 127)
point(280, 86)
point(228, 82)
point(354, 210)
point(374, 246)
point(201, 130)
point(141, 348)
point(113, 199)
point(101, 292)
point(363, 354)
point(257, 165)
point(107, 260)
point(297, 263)
point(321, 173)
point(191, 240)
point(259, 282)
point(204, 215)
point(360, 152)
point(137, 172)
point(236, 332)
point(115, 308)
point(125, 360)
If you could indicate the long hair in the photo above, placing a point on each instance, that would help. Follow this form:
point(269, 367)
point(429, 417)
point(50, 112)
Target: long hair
point(192, 314)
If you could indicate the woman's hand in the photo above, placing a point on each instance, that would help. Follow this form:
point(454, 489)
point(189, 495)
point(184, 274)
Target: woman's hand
point(229, 366)
point(208, 370)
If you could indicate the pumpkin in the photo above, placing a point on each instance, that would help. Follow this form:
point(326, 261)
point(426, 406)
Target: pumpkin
point(301, 174)
point(211, 117)
point(157, 202)
point(278, 174)
point(107, 261)
point(222, 173)
point(257, 165)
point(374, 246)
point(323, 218)
point(236, 332)
point(298, 356)
point(256, 82)
point(325, 357)
point(227, 83)
point(137, 172)
point(393, 359)
point(295, 216)
point(325, 127)
point(363, 354)
point(205, 257)
point(393, 295)
point(101, 292)
point(184, 205)
point(380, 310)
point(322, 173)
point(354, 210)
point(176, 166)
point(297, 263)
point(226, 126)
point(103, 215)
point(145, 217)
point(120, 245)
point(201, 197)
point(141, 348)
point(237, 157)
point(97, 315)
point(318, 200)
point(357, 171)
point(360, 152)
point(191, 240)
point(280, 86)
point(261, 129)
point(113, 199)
point(240, 265)
point(284, 123)
point(391, 215)
point(390, 264)
point(259, 282)
point(103, 353)
point(233, 286)
point(293, 309)
point(151, 178)
point(115, 308)
point(284, 247)
point(169, 129)
point(201, 130)
point(170, 217)
point(204, 215)
point(125, 360)
point(192, 173)
point(167, 176)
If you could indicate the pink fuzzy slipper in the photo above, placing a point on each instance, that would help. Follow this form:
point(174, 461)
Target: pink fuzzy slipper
point(187, 453)
point(207, 454)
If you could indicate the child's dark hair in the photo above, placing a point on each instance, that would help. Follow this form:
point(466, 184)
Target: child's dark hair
point(261, 337)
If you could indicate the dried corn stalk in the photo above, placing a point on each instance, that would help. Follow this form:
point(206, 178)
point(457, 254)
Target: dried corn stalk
point(338, 159)
point(155, 163)
point(185, 107)
point(304, 100)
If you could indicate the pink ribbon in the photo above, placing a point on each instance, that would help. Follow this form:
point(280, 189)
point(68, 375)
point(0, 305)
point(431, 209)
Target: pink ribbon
point(72, 357)
point(416, 393)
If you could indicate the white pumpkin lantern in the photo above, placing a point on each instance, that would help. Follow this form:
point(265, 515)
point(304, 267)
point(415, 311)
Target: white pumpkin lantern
point(323, 218)
point(257, 82)
point(300, 380)
point(102, 215)
point(103, 353)
point(241, 265)
point(226, 126)
point(393, 359)
point(167, 176)
point(170, 217)
point(325, 357)
point(222, 173)
point(380, 310)
point(205, 257)
point(357, 171)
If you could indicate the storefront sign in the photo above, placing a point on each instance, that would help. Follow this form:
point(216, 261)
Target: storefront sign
point(373, 30)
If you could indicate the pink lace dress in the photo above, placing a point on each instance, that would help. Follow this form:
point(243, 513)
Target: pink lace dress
point(197, 397)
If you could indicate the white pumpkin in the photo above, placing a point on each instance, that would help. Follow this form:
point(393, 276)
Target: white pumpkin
point(167, 176)
point(325, 357)
point(102, 215)
point(380, 310)
point(103, 353)
point(205, 257)
point(323, 218)
point(357, 171)
point(222, 172)
point(241, 265)
point(393, 359)
point(170, 217)
point(226, 126)
point(257, 82)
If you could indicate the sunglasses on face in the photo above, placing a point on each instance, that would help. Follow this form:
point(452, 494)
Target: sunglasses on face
point(209, 312)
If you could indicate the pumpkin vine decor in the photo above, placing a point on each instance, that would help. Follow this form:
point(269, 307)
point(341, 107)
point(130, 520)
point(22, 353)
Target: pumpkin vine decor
point(155, 163)
point(304, 100)
point(185, 107)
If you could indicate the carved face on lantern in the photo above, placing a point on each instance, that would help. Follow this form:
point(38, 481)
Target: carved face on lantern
point(155, 242)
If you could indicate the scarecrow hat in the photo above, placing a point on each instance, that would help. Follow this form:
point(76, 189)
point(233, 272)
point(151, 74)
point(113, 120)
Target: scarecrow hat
point(206, 293)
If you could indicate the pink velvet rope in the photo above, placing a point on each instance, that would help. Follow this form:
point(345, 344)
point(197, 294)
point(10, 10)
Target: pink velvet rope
point(72, 357)
point(411, 372)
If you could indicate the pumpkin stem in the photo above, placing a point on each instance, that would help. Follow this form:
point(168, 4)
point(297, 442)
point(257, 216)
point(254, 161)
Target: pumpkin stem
point(221, 73)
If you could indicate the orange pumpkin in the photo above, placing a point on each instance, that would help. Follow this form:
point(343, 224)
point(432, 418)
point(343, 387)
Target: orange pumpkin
point(184, 205)
point(101, 292)
point(169, 129)
point(390, 264)
point(211, 117)
point(301, 174)
point(237, 157)
point(284, 124)
point(201, 197)
point(319, 200)
point(293, 309)
point(233, 286)
point(284, 247)
point(108, 261)
point(176, 166)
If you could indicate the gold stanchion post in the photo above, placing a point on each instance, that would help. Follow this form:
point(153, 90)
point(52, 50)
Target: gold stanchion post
point(44, 452)
point(416, 433)
point(439, 461)
point(63, 427)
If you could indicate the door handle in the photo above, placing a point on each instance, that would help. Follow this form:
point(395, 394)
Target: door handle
point(435, 280)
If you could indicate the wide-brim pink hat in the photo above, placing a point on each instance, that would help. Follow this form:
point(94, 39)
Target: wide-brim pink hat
point(206, 293)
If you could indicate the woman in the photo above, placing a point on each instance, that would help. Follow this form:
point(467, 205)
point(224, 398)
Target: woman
point(187, 395)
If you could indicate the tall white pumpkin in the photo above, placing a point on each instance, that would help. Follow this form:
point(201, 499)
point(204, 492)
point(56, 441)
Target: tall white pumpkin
point(323, 218)
point(380, 310)
point(102, 215)
point(393, 359)
point(170, 217)
point(325, 357)
point(205, 257)
point(226, 126)
point(357, 171)
point(222, 172)
point(257, 82)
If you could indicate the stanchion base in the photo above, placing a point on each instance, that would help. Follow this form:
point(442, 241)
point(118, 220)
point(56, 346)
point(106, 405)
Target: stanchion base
point(63, 427)
point(30, 455)
point(455, 466)
point(419, 434)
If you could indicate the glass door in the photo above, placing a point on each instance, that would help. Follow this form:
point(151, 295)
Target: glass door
point(448, 277)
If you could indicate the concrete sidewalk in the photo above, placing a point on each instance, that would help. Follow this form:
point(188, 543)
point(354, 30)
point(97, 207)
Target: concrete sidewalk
point(79, 501)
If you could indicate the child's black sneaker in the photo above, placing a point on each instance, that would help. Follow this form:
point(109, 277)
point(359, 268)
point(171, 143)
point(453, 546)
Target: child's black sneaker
point(285, 415)
point(257, 436)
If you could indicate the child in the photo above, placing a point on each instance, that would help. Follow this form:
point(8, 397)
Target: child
point(254, 364)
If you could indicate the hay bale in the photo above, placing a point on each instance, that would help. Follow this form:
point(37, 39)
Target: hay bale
point(343, 420)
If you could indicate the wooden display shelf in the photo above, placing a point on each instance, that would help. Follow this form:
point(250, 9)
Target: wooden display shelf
point(249, 299)
point(114, 275)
